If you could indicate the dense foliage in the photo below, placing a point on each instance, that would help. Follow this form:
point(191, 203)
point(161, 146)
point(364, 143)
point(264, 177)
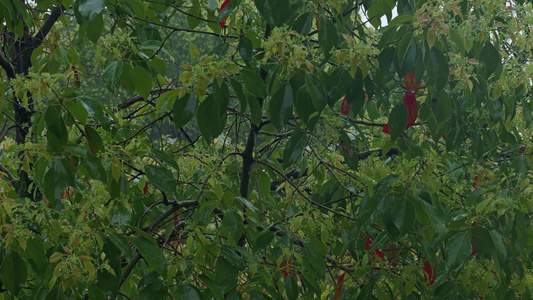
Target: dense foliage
point(266, 149)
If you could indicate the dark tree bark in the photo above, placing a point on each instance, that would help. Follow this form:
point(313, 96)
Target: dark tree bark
point(16, 62)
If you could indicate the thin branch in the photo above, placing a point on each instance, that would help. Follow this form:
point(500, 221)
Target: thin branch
point(142, 130)
point(138, 98)
point(297, 189)
point(185, 29)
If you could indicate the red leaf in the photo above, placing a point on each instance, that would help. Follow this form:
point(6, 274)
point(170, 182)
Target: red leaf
point(368, 243)
point(345, 108)
point(430, 274)
point(77, 82)
point(386, 129)
point(222, 23)
point(145, 189)
point(338, 291)
point(286, 268)
point(475, 181)
point(522, 150)
point(473, 250)
point(375, 252)
point(409, 79)
point(90, 141)
point(409, 100)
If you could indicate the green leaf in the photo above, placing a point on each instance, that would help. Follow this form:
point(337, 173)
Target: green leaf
point(371, 208)
point(183, 110)
point(397, 121)
point(90, 8)
point(56, 131)
point(152, 45)
point(366, 290)
point(490, 58)
point(254, 84)
point(166, 99)
point(263, 182)
point(263, 240)
point(237, 88)
point(410, 62)
point(76, 150)
point(161, 178)
point(275, 12)
point(305, 108)
point(232, 224)
point(482, 241)
point(194, 51)
point(498, 251)
point(291, 287)
point(458, 40)
point(386, 66)
point(316, 91)
point(213, 287)
point(94, 167)
point(403, 216)
point(375, 11)
point(316, 259)
point(438, 69)
point(303, 24)
point(400, 19)
point(22, 11)
point(77, 110)
point(186, 291)
point(95, 110)
point(95, 292)
point(281, 106)
point(328, 35)
point(442, 107)
point(457, 250)
point(338, 83)
point(53, 188)
point(227, 10)
point(64, 170)
point(349, 294)
point(35, 251)
point(246, 50)
point(233, 257)
point(225, 275)
point(312, 283)
point(154, 290)
point(108, 282)
point(403, 46)
point(141, 80)
point(356, 95)
point(211, 116)
point(94, 28)
point(152, 254)
point(120, 242)
point(165, 157)
point(13, 272)
point(294, 148)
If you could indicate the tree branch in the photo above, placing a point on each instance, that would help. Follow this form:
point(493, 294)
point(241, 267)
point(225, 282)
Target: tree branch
point(8, 66)
point(47, 26)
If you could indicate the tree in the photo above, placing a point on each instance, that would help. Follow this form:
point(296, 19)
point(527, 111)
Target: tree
point(266, 149)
